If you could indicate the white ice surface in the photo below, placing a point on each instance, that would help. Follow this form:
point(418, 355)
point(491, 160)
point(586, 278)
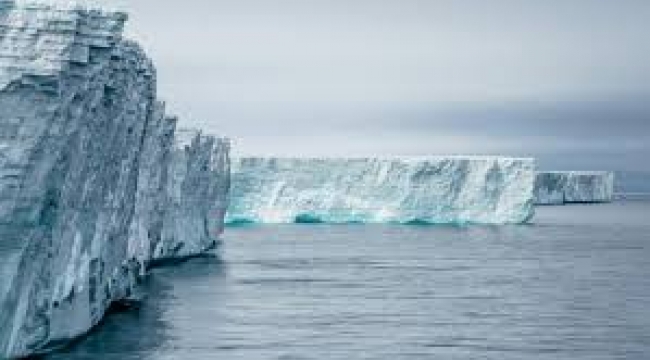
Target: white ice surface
point(491, 190)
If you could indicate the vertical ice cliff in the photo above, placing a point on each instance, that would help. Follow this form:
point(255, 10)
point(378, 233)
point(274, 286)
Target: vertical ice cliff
point(74, 104)
point(197, 185)
point(86, 161)
point(434, 190)
point(560, 187)
point(151, 196)
point(180, 207)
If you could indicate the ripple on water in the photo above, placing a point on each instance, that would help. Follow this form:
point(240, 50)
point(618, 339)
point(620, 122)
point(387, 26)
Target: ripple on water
point(572, 286)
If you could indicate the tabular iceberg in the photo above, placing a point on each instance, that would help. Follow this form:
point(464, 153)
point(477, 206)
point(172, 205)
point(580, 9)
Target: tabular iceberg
point(88, 173)
point(488, 190)
point(561, 187)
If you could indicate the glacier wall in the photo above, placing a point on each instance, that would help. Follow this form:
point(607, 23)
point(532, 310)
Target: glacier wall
point(197, 185)
point(561, 187)
point(489, 190)
point(88, 170)
point(151, 195)
point(182, 195)
point(74, 100)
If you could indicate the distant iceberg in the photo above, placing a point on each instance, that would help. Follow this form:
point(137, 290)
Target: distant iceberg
point(441, 190)
point(562, 187)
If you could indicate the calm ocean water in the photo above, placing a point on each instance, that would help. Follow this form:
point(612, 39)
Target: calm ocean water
point(575, 285)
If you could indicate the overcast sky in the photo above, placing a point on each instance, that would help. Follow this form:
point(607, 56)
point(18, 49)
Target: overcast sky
point(567, 81)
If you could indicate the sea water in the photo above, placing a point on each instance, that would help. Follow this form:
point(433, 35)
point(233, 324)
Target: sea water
point(573, 285)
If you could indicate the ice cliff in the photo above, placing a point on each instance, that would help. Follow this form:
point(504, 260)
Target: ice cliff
point(180, 207)
point(487, 190)
point(89, 167)
point(197, 186)
point(560, 187)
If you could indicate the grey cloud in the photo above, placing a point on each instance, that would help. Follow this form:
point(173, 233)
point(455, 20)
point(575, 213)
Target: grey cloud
point(564, 80)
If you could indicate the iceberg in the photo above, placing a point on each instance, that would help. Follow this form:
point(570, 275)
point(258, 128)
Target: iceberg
point(197, 188)
point(92, 174)
point(562, 187)
point(182, 195)
point(440, 190)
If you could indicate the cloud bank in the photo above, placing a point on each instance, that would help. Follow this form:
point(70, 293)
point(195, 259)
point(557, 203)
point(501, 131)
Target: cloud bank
point(567, 81)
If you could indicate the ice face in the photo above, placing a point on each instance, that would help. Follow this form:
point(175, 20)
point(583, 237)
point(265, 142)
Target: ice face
point(180, 206)
point(88, 173)
point(182, 196)
point(74, 104)
point(197, 185)
point(487, 190)
point(152, 199)
point(552, 188)
point(549, 188)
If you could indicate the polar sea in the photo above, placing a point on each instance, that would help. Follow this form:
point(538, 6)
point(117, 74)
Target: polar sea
point(574, 284)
